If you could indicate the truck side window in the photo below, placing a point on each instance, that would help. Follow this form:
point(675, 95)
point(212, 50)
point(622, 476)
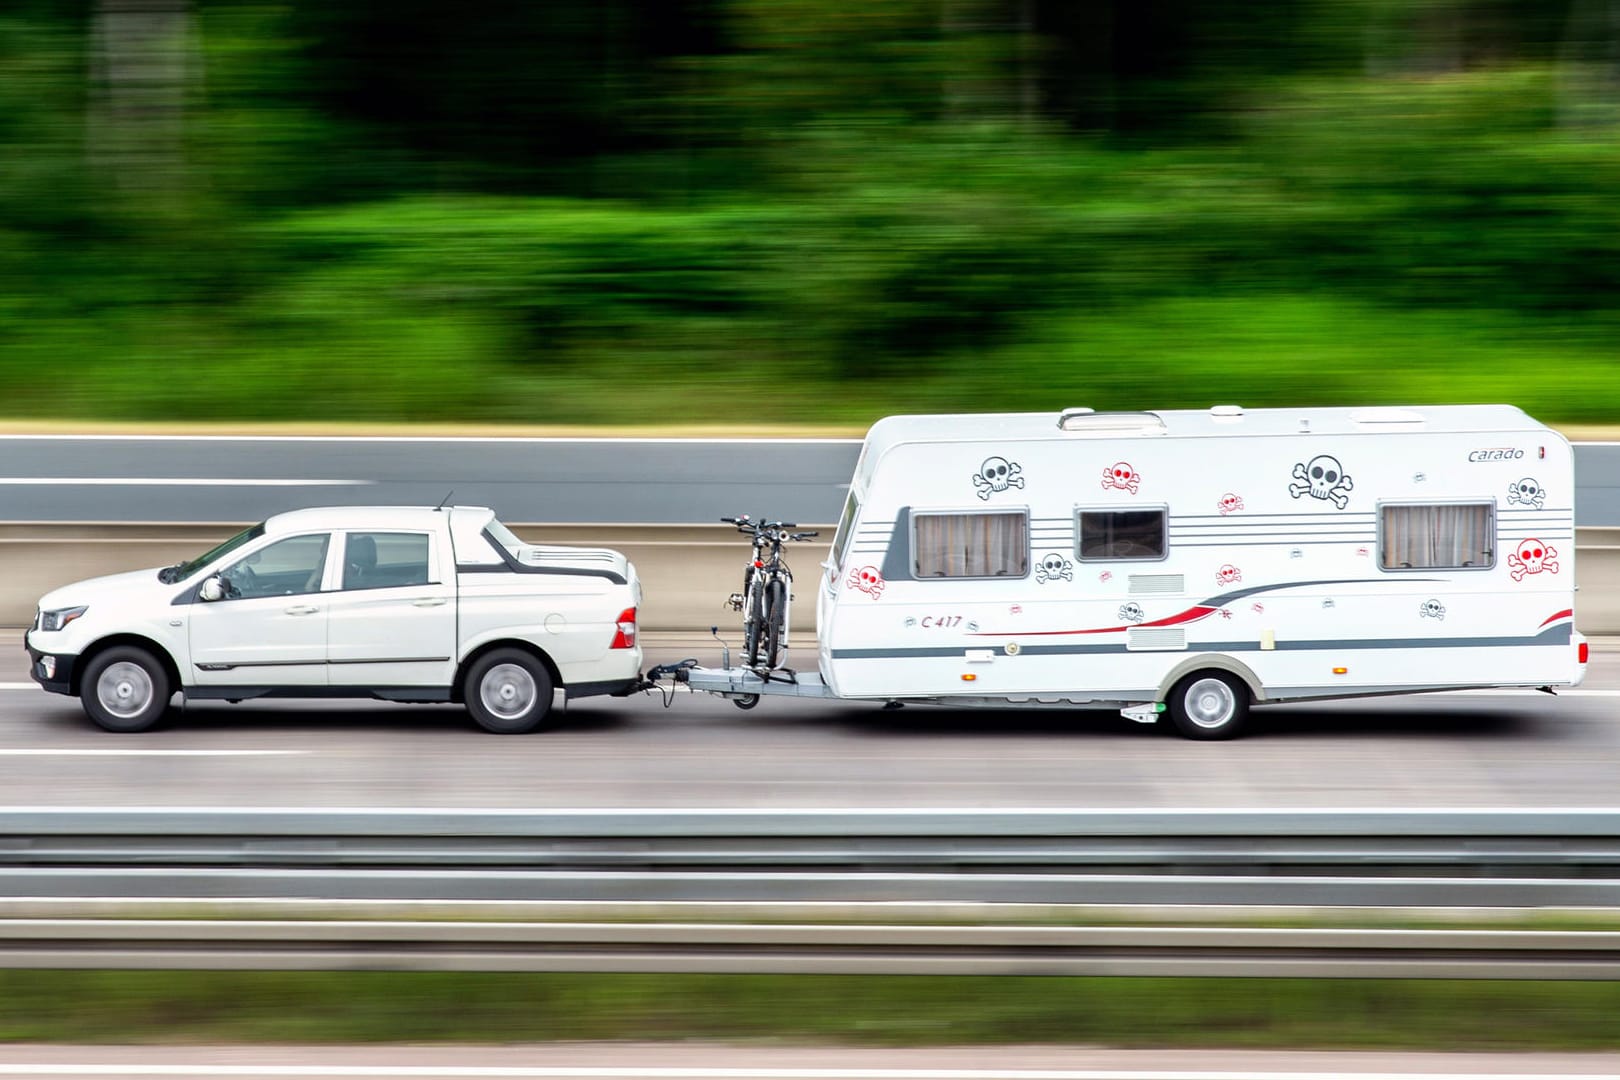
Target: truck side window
point(1120, 534)
point(1437, 536)
point(385, 560)
point(968, 545)
point(285, 568)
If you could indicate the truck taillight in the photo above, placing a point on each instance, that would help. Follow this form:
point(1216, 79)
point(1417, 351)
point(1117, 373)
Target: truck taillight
point(1581, 653)
point(624, 633)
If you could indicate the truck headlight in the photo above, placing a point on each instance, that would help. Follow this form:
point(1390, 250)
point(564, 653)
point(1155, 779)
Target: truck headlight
point(56, 620)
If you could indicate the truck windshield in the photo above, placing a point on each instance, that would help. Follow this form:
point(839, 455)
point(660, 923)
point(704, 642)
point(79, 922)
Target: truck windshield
point(182, 570)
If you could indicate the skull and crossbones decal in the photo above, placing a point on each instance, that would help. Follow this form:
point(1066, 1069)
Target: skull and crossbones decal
point(1432, 609)
point(1228, 575)
point(1122, 476)
point(1131, 613)
point(1052, 568)
point(1324, 479)
point(1228, 503)
point(1527, 492)
point(997, 474)
point(1533, 557)
point(868, 580)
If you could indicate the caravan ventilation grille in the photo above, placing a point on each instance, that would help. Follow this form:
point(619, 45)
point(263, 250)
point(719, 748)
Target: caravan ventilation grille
point(1157, 584)
point(1142, 638)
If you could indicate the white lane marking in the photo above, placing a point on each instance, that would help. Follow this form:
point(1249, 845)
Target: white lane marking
point(19, 686)
point(169, 481)
point(64, 752)
point(613, 1072)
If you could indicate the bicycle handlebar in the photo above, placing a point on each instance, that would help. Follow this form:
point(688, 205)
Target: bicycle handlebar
point(758, 529)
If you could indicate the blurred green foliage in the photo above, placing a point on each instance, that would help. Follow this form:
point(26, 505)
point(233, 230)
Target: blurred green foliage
point(803, 210)
point(423, 1007)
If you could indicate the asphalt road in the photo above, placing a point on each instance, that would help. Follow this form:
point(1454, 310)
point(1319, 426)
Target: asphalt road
point(713, 1061)
point(223, 479)
point(1484, 749)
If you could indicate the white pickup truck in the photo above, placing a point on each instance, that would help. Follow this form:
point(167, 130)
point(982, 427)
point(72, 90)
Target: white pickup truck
point(397, 603)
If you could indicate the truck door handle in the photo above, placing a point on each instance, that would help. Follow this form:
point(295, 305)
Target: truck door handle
point(302, 609)
point(430, 601)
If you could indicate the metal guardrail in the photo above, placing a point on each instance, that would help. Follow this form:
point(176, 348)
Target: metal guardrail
point(1357, 857)
point(751, 948)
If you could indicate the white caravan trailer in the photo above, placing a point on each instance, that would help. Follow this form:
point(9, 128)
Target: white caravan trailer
point(1196, 562)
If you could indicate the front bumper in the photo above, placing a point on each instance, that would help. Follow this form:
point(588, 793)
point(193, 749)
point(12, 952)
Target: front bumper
point(55, 674)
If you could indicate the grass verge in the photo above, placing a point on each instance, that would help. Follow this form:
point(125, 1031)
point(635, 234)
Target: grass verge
point(361, 1007)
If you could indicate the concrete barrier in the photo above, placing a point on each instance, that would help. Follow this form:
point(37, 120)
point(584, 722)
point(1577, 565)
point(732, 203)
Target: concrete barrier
point(686, 570)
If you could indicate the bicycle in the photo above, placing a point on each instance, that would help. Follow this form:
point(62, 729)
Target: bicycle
point(767, 591)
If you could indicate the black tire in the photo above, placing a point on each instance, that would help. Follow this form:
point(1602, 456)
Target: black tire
point(508, 692)
point(745, 701)
point(775, 617)
point(1209, 705)
point(753, 626)
point(125, 690)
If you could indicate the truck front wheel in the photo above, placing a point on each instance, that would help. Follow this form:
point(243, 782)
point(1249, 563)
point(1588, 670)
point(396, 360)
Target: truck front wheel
point(125, 690)
point(508, 692)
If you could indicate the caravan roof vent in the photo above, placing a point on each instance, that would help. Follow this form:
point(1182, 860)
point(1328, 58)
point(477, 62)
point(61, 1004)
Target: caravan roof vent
point(1087, 422)
point(1386, 416)
point(1226, 412)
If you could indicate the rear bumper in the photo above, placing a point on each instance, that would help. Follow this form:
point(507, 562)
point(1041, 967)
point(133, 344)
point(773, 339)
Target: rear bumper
point(610, 688)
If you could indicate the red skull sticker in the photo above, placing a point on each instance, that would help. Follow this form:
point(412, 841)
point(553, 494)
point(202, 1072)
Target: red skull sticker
point(1533, 557)
point(1122, 476)
point(867, 580)
point(1228, 503)
point(1228, 575)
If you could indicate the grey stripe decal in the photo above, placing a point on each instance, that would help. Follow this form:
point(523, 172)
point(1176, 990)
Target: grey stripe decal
point(321, 663)
point(1553, 635)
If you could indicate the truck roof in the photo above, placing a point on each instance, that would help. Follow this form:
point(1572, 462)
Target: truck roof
point(367, 517)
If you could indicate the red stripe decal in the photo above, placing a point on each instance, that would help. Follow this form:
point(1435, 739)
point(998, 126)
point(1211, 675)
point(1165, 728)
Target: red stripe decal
point(1568, 613)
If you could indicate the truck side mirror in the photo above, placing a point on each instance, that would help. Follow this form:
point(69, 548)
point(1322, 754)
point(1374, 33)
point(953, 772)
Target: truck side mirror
point(212, 589)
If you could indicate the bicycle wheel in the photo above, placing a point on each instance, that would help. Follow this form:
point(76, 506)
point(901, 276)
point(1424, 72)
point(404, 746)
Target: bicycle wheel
point(753, 624)
point(775, 618)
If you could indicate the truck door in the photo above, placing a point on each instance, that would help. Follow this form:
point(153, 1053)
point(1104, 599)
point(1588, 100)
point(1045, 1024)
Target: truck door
point(393, 615)
point(269, 627)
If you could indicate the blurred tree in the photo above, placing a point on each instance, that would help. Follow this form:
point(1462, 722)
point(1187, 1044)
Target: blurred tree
point(143, 61)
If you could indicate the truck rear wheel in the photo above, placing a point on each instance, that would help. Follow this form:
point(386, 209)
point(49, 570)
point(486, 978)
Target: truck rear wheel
point(508, 692)
point(125, 690)
point(1209, 705)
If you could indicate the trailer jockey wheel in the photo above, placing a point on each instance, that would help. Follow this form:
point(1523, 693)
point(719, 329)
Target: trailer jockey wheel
point(745, 701)
point(1209, 705)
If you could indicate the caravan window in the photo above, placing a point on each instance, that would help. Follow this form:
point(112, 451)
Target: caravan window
point(1443, 536)
point(1120, 534)
point(846, 529)
point(970, 545)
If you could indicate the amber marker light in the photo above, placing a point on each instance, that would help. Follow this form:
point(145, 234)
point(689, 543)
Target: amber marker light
point(1341, 671)
point(969, 677)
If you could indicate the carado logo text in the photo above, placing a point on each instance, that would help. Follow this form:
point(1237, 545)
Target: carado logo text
point(1502, 453)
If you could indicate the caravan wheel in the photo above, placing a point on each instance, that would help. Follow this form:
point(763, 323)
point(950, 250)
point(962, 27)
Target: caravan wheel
point(1209, 705)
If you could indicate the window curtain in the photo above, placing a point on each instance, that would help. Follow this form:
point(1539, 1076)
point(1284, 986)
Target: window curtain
point(971, 545)
point(1435, 537)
